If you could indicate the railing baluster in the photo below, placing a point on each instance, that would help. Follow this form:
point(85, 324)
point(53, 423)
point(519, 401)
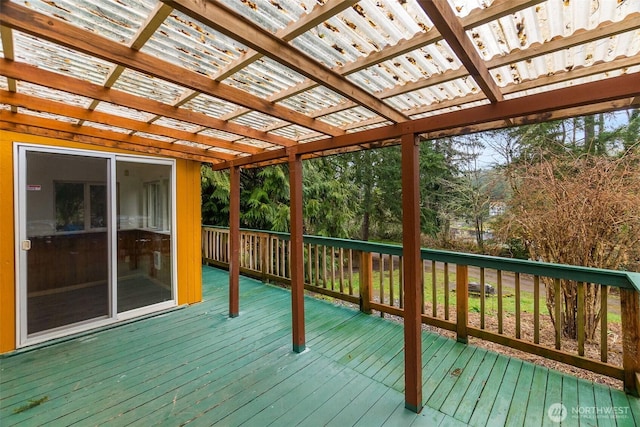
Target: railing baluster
point(324, 267)
point(517, 290)
point(391, 282)
point(401, 284)
point(536, 309)
point(482, 297)
point(333, 267)
point(499, 285)
point(309, 261)
point(424, 284)
point(350, 272)
point(604, 333)
point(381, 290)
point(434, 290)
point(446, 291)
point(317, 257)
point(558, 312)
point(341, 266)
point(581, 318)
point(462, 302)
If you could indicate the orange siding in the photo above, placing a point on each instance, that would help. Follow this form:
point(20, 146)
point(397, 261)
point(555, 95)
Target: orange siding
point(188, 230)
point(7, 256)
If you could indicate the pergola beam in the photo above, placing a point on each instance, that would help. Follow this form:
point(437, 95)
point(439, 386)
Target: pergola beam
point(59, 32)
point(53, 107)
point(60, 82)
point(107, 138)
point(538, 106)
point(228, 22)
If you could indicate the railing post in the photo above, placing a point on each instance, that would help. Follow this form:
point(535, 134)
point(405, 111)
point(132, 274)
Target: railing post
point(630, 317)
point(462, 302)
point(366, 281)
point(234, 242)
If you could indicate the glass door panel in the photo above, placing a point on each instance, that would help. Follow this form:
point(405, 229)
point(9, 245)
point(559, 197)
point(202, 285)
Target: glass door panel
point(66, 217)
point(144, 234)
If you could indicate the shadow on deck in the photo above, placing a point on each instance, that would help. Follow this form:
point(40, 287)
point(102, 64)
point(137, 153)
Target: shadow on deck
point(196, 366)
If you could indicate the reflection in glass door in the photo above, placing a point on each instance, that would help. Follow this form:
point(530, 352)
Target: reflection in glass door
point(65, 240)
point(144, 234)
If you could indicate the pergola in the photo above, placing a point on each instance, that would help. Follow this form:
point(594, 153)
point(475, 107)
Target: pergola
point(252, 82)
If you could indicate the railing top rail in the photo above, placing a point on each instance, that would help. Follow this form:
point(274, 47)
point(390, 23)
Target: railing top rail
point(616, 278)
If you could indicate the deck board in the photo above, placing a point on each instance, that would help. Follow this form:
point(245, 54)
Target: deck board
point(196, 365)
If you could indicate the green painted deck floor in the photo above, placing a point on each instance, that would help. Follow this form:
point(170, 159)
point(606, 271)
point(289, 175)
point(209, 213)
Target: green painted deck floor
point(196, 366)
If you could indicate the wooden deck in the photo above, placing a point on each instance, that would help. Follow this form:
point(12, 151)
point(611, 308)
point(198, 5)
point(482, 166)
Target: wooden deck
point(194, 365)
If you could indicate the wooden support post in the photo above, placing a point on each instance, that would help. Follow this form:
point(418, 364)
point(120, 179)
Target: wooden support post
point(297, 252)
point(630, 317)
point(462, 302)
point(234, 242)
point(366, 281)
point(412, 272)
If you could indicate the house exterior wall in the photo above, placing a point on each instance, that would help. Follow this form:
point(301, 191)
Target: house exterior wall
point(188, 220)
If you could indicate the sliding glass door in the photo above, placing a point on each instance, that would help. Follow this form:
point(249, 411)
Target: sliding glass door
point(95, 237)
point(66, 248)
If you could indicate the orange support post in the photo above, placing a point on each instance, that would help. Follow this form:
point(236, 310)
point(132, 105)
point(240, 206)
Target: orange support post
point(297, 252)
point(412, 272)
point(234, 242)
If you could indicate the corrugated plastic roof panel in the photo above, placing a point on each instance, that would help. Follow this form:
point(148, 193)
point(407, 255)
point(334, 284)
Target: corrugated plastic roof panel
point(258, 121)
point(366, 27)
point(211, 106)
point(49, 116)
point(107, 127)
point(121, 111)
point(53, 95)
point(154, 136)
point(313, 100)
point(272, 15)
point(149, 87)
point(264, 78)
point(53, 57)
point(192, 45)
point(177, 124)
point(118, 20)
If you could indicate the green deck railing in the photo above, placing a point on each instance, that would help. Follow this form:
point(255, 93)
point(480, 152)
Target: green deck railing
point(502, 300)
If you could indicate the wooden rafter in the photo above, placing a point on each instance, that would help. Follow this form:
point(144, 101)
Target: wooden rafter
point(56, 81)
point(222, 19)
point(156, 18)
point(453, 32)
point(8, 52)
point(59, 32)
point(53, 107)
point(107, 138)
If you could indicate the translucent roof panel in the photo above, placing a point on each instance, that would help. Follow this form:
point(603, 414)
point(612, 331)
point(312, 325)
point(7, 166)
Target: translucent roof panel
point(118, 20)
point(348, 117)
point(295, 133)
point(177, 124)
point(210, 106)
point(270, 14)
point(107, 127)
point(49, 116)
point(264, 78)
point(434, 94)
point(546, 21)
point(59, 59)
point(366, 27)
point(148, 87)
point(53, 95)
point(313, 100)
point(258, 121)
point(192, 45)
point(154, 136)
point(419, 64)
point(220, 134)
point(120, 111)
